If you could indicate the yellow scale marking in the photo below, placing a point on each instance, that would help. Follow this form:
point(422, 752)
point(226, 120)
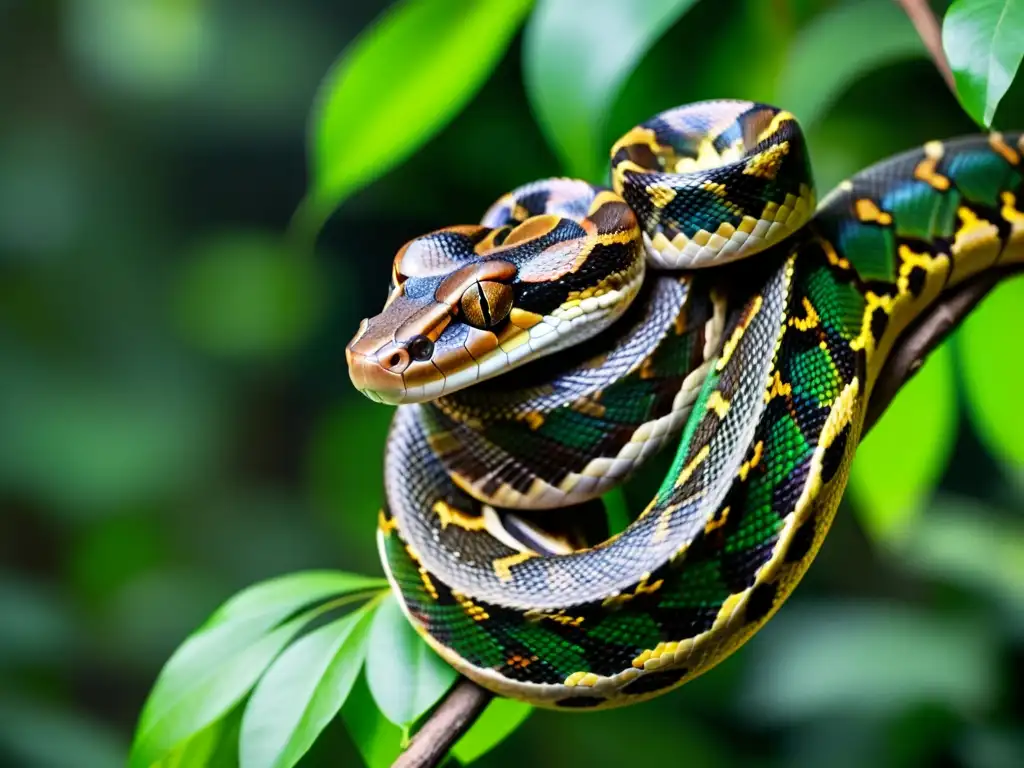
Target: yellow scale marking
point(730, 346)
point(810, 320)
point(925, 170)
point(449, 515)
point(869, 212)
point(754, 460)
point(661, 194)
point(778, 388)
point(718, 404)
point(766, 164)
point(642, 588)
point(975, 235)
point(503, 565)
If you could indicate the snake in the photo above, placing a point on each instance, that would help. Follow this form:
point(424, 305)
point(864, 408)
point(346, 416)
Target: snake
point(703, 300)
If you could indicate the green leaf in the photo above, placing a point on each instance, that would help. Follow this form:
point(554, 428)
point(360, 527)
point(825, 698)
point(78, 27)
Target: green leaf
point(378, 740)
point(500, 719)
point(214, 668)
point(405, 676)
point(901, 461)
point(245, 294)
point(198, 751)
point(814, 76)
point(397, 85)
point(992, 372)
point(576, 56)
point(982, 39)
point(205, 678)
point(302, 692)
point(275, 599)
point(867, 659)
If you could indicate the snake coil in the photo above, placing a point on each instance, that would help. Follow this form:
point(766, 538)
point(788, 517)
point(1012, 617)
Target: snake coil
point(703, 302)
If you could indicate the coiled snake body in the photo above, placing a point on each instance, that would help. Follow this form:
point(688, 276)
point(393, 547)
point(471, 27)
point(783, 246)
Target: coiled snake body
point(702, 302)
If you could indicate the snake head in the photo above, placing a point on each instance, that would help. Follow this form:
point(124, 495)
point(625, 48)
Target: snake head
point(468, 303)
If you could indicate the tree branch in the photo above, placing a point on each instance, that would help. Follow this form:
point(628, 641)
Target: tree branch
point(926, 334)
point(463, 704)
point(930, 31)
point(467, 700)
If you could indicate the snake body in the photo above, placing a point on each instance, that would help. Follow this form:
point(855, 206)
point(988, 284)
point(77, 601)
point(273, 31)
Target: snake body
point(759, 369)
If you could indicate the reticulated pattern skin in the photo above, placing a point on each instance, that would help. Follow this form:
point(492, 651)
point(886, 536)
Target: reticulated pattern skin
point(757, 370)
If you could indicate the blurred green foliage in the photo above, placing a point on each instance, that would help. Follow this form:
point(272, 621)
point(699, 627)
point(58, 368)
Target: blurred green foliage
point(178, 423)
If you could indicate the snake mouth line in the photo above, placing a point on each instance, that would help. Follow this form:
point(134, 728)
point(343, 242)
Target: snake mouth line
point(564, 327)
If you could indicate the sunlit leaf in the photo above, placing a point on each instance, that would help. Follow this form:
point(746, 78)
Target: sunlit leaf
point(378, 740)
point(576, 56)
point(399, 83)
point(301, 693)
point(244, 294)
point(899, 463)
point(862, 659)
point(275, 599)
point(500, 719)
point(405, 676)
point(207, 676)
point(219, 664)
point(814, 76)
point(197, 751)
point(982, 39)
point(216, 746)
point(992, 372)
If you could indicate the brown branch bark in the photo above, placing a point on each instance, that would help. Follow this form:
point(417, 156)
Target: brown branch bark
point(925, 335)
point(464, 703)
point(930, 31)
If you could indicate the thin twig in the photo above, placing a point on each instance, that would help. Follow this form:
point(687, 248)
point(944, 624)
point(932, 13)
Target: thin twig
point(927, 26)
point(464, 703)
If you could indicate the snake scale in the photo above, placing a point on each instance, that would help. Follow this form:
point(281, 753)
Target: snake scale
point(703, 301)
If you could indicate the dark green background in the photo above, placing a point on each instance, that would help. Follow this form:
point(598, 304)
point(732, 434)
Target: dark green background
point(176, 420)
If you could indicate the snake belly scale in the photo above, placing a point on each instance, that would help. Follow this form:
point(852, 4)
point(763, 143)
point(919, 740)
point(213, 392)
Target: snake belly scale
point(541, 357)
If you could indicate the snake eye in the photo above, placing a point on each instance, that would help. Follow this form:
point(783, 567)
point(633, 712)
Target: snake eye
point(421, 348)
point(487, 303)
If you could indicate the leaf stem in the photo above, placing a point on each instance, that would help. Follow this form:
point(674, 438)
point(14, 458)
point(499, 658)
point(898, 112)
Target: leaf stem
point(928, 27)
point(372, 597)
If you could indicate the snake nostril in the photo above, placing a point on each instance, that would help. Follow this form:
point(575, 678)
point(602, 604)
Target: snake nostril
point(394, 360)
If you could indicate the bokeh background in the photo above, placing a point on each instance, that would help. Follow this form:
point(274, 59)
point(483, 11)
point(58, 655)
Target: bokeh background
point(176, 420)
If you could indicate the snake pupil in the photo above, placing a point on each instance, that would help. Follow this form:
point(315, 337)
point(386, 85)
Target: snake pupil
point(487, 303)
point(421, 348)
point(484, 309)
